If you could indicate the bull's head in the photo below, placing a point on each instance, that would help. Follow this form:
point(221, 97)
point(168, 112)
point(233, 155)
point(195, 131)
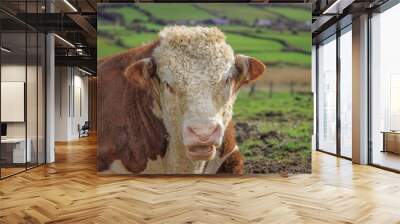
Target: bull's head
point(195, 78)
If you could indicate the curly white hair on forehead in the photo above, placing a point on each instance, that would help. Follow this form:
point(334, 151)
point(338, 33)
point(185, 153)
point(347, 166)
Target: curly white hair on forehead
point(187, 55)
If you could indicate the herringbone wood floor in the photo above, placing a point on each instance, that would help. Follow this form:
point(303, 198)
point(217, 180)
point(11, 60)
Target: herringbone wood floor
point(69, 191)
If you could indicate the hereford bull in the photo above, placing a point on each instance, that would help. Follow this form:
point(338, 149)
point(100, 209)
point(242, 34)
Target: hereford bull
point(166, 107)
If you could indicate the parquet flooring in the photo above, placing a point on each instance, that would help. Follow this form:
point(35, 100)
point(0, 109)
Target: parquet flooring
point(69, 191)
point(10, 171)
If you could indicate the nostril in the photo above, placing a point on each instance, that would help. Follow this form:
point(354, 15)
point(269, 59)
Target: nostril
point(210, 134)
point(192, 131)
point(216, 129)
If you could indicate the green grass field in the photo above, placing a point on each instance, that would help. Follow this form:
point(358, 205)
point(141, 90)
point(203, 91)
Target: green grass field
point(282, 58)
point(171, 12)
point(261, 42)
point(245, 44)
point(245, 12)
point(136, 40)
point(107, 48)
point(290, 13)
point(129, 14)
point(265, 50)
point(115, 30)
point(302, 40)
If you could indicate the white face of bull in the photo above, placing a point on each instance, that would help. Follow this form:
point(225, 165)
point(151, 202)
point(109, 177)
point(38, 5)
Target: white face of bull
point(197, 96)
point(198, 78)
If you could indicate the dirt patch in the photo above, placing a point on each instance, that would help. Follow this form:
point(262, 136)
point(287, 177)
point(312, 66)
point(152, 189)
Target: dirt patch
point(260, 158)
point(285, 74)
point(265, 166)
point(273, 115)
point(245, 131)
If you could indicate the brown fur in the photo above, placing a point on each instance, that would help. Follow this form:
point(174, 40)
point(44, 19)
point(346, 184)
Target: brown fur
point(234, 164)
point(128, 130)
point(253, 70)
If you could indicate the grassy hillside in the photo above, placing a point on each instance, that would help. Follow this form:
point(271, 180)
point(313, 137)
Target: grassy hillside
point(290, 13)
point(171, 12)
point(129, 14)
point(243, 44)
point(266, 43)
point(302, 40)
point(107, 47)
point(245, 12)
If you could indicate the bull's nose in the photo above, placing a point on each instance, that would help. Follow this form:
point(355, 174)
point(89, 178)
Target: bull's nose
point(205, 132)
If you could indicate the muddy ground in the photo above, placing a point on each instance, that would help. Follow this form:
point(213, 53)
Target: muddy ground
point(264, 150)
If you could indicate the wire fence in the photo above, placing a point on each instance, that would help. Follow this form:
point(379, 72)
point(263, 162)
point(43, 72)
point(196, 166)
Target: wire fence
point(272, 87)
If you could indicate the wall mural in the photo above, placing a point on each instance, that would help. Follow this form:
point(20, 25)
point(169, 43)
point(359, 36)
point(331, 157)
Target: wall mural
point(202, 89)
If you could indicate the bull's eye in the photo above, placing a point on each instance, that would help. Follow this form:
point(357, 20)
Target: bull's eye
point(227, 80)
point(168, 87)
point(233, 74)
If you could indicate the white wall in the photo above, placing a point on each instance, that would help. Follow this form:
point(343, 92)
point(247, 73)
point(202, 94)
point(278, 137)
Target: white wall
point(71, 92)
point(13, 100)
point(16, 73)
point(62, 81)
point(80, 103)
point(12, 73)
point(33, 126)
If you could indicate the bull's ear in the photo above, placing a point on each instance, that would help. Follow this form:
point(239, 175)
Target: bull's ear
point(140, 72)
point(249, 68)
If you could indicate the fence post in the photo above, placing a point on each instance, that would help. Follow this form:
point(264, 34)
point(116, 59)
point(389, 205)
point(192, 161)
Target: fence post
point(291, 87)
point(271, 86)
point(252, 89)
